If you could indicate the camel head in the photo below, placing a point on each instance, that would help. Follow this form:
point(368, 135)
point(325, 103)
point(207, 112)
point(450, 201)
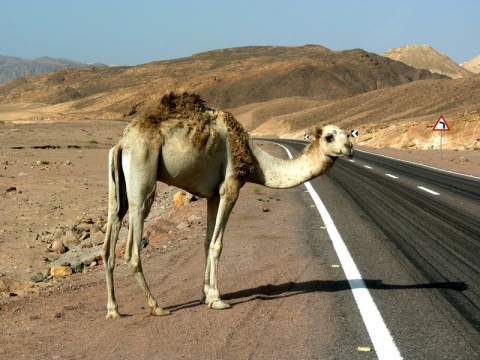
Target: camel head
point(334, 142)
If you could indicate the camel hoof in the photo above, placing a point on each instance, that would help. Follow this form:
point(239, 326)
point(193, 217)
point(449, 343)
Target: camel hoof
point(219, 305)
point(113, 315)
point(159, 312)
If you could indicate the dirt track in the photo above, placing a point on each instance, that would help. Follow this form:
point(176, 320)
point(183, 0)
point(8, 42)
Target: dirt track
point(281, 307)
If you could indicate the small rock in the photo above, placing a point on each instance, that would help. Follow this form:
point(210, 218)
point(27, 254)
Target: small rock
point(78, 267)
point(70, 240)
point(11, 188)
point(58, 247)
point(58, 233)
point(178, 199)
point(87, 260)
point(85, 235)
point(181, 198)
point(94, 230)
point(183, 225)
point(37, 278)
point(61, 271)
point(87, 220)
point(48, 238)
point(98, 238)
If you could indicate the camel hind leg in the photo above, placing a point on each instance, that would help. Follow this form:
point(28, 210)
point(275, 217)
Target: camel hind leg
point(117, 208)
point(140, 174)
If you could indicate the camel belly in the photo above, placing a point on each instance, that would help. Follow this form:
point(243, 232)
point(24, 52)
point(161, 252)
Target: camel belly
point(187, 169)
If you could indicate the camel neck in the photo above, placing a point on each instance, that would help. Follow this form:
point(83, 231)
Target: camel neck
point(278, 173)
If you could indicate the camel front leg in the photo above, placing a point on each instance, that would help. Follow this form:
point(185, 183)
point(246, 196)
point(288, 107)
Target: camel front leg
point(212, 210)
point(228, 197)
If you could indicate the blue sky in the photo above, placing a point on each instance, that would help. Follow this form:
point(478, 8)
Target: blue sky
point(139, 31)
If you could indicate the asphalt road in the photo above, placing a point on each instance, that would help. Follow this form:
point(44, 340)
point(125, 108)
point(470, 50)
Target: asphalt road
point(414, 234)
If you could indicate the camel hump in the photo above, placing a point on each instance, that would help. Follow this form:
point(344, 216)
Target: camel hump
point(180, 106)
point(174, 103)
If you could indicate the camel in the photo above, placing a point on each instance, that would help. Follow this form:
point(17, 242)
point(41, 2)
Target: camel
point(207, 153)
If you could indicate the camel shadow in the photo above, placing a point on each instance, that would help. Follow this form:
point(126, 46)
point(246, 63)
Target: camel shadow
point(272, 292)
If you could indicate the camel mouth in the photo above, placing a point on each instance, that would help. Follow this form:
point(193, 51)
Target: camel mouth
point(347, 154)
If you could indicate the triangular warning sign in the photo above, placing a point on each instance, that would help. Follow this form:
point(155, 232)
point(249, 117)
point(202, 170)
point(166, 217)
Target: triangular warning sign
point(441, 124)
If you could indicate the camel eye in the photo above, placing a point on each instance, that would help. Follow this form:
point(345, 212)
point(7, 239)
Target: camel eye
point(329, 137)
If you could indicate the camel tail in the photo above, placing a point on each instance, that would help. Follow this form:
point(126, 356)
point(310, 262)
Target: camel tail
point(116, 184)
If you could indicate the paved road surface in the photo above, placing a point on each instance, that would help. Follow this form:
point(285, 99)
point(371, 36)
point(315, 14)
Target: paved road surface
point(414, 235)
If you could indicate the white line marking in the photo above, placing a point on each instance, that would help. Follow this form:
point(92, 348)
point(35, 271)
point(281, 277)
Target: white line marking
point(428, 190)
point(392, 176)
point(381, 338)
point(368, 167)
point(351, 160)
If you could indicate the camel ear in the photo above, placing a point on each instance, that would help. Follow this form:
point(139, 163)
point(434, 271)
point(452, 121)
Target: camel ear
point(317, 133)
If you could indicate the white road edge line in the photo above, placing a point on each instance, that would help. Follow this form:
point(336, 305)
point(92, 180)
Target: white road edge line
point(379, 334)
point(382, 340)
point(428, 190)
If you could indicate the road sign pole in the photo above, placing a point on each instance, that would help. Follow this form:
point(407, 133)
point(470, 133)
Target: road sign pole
point(441, 144)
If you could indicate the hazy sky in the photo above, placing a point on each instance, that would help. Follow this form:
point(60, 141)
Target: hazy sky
point(139, 31)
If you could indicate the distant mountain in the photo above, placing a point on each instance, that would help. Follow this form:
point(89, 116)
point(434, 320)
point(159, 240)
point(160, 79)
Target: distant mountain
point(271, 90)
point(14, 67)
point(472, 65)
point(226, 78)
point(425, 57)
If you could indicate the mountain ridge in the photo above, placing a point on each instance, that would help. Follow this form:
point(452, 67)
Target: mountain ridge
point(425, 57)
point(273, 90)
point(12, 67)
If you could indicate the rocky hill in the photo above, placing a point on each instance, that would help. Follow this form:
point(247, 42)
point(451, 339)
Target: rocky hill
point(472, 65)
point(273, 91)
point(425, 57)
point(14, 67)
point(225, 78)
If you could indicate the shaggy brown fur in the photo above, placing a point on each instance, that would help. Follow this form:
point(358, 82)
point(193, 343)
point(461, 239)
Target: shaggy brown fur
point(180, 106)
point(240, 151)
point(177, 106)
